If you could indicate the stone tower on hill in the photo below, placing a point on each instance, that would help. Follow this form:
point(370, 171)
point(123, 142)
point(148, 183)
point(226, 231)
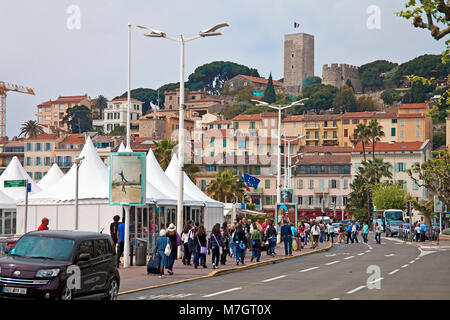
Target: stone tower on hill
point(298, 61)
point(336, 75)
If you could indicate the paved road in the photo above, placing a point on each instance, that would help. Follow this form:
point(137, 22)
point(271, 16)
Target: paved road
point(344, 272)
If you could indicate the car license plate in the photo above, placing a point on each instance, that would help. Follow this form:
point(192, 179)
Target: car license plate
point(14, 290)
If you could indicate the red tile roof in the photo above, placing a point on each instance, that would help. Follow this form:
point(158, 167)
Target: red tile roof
point(323, 149)
point(414, 106)
point(387, 146)
point(262, 80)
point(325, 159)
point(66, 99)
point(410, 115)
point(44, 136)
point(292, 119)
point(74, 138)
point(248, 117)
point(125, 99)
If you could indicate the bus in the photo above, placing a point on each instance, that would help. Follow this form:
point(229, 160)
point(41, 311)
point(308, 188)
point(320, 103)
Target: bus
point(391, 215)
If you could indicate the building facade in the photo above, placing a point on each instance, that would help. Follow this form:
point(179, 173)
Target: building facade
point(115, 114)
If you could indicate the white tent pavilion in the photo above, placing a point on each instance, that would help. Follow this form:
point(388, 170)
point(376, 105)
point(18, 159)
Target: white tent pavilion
point(15, 171)
point(51, 177)
point(213, 210)
point(121, 148)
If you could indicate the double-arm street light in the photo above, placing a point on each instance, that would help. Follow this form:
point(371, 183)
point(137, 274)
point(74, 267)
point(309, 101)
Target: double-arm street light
point(279, 108)
point(182, 39)
point(287, 170)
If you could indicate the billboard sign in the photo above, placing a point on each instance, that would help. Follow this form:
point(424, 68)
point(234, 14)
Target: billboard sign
point(127, 178)
point(285, 210)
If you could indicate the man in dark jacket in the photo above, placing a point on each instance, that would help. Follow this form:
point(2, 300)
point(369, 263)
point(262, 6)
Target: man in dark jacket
point(113, 229)
point(286, 234)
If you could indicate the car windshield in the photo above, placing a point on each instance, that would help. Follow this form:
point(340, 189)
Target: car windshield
point(395, 223)
point(43, 248)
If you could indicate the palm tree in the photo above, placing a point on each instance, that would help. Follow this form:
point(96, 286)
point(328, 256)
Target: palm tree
point(361, 134)
point(100, 104)
point(31, 128)
point(376, 133)
point(163, 152)
point(191, 169)
point(226, 186)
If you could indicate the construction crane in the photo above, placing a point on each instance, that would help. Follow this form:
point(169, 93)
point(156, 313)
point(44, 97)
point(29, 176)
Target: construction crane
point(4, 88)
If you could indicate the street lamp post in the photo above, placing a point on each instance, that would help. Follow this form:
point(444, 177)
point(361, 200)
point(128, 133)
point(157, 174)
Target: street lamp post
point(77, 164)
point(182, 40)
point(289, 164)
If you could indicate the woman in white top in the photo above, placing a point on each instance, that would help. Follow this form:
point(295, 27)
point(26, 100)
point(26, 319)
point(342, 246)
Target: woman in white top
point(418, 231)
point(315, 231)
point(187, 233)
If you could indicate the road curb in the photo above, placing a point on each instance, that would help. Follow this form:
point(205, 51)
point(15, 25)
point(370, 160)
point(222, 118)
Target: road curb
point(226, 271)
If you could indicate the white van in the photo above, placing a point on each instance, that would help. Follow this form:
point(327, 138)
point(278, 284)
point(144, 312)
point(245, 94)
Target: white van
point(326, 219)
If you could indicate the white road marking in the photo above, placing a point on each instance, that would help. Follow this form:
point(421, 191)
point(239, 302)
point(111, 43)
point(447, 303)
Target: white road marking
point(336, 299)
point(395, 271)
point(276, 278)
point(412, 261)
point(379, 279)
point(164, 296)
point(330, 255)
point(349, 257)
point(367, 251)
point(330, 263)
point(356, 289)
point(309, 269)
point(389, 255)
point(221, 292)
point(370, 248)
point(360, 254)
point(404, 266)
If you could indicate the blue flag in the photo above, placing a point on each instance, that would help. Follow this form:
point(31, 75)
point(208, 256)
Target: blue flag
point(250, 181)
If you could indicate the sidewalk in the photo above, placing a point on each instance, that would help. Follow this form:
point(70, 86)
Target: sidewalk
point(135, 278)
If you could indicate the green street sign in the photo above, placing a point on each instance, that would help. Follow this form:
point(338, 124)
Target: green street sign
point(15, 183)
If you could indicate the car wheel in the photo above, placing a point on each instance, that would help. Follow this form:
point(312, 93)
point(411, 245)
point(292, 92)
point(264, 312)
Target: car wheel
point(66, 294)
point(113, 290)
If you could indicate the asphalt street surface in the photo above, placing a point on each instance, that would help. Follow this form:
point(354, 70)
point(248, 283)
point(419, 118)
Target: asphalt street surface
point(390, 271)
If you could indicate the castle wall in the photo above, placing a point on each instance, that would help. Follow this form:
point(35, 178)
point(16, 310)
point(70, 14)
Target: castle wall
point(337, 74)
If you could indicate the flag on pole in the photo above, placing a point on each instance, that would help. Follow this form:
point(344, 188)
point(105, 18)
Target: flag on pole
point(251, 181)
point(296, 25)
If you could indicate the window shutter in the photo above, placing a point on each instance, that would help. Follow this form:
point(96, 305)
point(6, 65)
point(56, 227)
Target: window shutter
point(337, 184)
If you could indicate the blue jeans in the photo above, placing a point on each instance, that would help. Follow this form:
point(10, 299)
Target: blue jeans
point(162, 261)
point(233, 249)
point(171, 259)
point(240, 254)
point(321, 236)
point(272, 244)
point(257, 254)
point(215, 255)
point(287, 244)
point(198, 256)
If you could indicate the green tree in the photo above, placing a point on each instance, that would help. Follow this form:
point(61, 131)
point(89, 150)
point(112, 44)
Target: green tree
point(118, 131)
point(438, 140)
point(389, 96)
point(78, 119)
point(376, 133)
point(349, 83)
point(245, 94)
point(163, 152)
point(310, 81)
point(389, 196)
point(147, 96)
point(226, 187)
point(269, 93)
point(418, 93)
point(370, 74)
point(345, 100)
point(320, 98)
point(361, 135)
point(213, 75)
point(366, 103)
point(434, 175)
point(30, 129)
point(100, 104)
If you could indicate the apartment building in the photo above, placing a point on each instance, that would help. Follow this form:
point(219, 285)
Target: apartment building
point(402, 156)
point(39, 154)
point(322, 130)
point(413, 124)
point(115, 114)
point(160, 126)
point(10, 149)
point(51, 113)
point(264, 124)
point(241, 81)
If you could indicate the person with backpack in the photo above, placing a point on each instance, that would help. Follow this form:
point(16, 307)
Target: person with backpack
point(271, 236)
point(287, 236)
point(256, 242)
point(240, 242)
point(315, 231)
point(175, 241)
point(113, 229)
point(216, 245)
point(160, 248)
point(201, 248)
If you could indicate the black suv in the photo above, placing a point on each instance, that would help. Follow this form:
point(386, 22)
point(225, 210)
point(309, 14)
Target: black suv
point(61, 265)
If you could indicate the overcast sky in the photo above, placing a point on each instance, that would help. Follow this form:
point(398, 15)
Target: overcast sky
point(38, 50)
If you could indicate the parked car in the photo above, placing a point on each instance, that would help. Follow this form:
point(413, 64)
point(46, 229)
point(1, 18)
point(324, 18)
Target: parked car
point(40, 267)
point(393, 228)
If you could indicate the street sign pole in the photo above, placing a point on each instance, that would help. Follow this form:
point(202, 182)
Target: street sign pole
point(25, 218)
